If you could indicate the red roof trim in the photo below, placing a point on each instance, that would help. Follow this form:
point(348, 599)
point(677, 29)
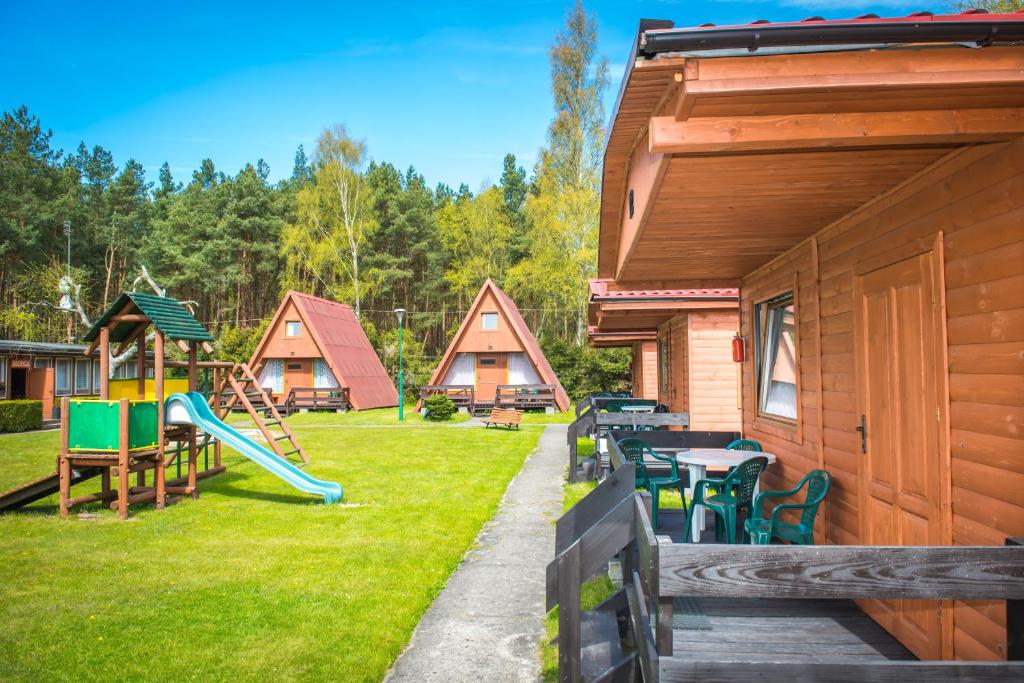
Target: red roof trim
point(599, 290)
point(917, 17)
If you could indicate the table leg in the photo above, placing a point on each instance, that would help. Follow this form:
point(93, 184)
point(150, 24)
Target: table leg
point(697, 473)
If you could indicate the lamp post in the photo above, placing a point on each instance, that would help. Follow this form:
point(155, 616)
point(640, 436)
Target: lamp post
point(400, 312)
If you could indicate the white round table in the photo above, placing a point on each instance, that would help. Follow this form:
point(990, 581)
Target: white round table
point(698, 460)
point(638, 409)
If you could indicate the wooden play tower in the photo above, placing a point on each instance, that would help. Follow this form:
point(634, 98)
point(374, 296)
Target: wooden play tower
point(124, 432)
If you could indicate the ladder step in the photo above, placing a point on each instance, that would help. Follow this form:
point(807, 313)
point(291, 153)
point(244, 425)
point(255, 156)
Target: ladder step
point(271, 423)
point(280, 437)
point(290, 452)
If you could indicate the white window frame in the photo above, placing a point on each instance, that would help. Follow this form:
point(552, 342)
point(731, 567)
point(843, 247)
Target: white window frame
point(96, 376)
point(87, 389)
point(46, 363)
point(768, 318)
point(489, 316)
point(288, 329)
point(56, 376)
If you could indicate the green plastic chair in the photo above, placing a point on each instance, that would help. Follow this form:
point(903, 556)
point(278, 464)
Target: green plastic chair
point(732, 493)
point(634, 450)
point(761, 530)
point(744, 445)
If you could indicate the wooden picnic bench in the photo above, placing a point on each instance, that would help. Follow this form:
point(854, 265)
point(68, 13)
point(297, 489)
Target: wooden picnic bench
point(504, 416)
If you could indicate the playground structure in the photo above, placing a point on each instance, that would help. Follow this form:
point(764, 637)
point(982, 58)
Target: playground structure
point(148, 434)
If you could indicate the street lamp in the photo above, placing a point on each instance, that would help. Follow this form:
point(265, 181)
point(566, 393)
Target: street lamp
point(400, 312)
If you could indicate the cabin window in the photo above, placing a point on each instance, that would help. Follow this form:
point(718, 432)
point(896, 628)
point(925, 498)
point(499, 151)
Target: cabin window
point(631, 203)
point(272, 376)
point(42, 363)
point(488, 361)
point(490, 321)
point(3, 377)
point(294, 367)
point(775, 357)
point(292, 328)
point(96, 377)
point(323, 378)
point(83, 376)
point(663, 366)
point(62, 377)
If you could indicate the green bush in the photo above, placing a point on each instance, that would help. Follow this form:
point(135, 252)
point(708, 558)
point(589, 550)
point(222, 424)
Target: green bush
point(439, 407)
point(20, 416)
point(583, 370)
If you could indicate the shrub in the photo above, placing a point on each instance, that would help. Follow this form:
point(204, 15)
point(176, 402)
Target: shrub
point(439, 407)
point(20, 416)
point(583, 370)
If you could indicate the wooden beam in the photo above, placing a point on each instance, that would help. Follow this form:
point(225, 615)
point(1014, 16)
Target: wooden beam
point(181, 344)
point(799, 132)
point(140, 330)
point(842, 571)
point(207, 347)
point(129, 318)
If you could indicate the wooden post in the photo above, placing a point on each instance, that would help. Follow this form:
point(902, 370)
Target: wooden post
point(63, 464)
point(193, 452)
point(105, 363)
point(569, 632)
point(1015, 621)
point(160, 475)
point(122, 463)
point(140, 365)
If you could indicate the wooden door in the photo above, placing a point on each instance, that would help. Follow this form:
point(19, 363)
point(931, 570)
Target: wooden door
point(904, 476)
point(491, 370)
point(297, 374)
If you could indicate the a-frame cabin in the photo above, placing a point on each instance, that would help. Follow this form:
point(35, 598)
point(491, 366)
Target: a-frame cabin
point(315, 348)
point(495, 361)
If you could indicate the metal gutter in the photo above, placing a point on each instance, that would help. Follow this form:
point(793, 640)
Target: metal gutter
point(850, 35)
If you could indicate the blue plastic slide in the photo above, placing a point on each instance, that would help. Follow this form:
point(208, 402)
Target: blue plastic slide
point(192, 409)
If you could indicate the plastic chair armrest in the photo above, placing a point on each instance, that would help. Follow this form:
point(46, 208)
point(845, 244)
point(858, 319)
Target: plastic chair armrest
point(786, 506)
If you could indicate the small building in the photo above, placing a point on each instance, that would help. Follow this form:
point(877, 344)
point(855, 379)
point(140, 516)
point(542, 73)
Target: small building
point(868, 205)
point(313, 343)
point(682, 346)
point(495, 355)
point(44, 371)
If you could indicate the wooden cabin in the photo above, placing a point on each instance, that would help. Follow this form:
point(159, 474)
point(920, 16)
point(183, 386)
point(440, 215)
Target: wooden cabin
point(494, 359)
point(869, 205)
point(313, 348)
point(46, 372)
point(682, 346)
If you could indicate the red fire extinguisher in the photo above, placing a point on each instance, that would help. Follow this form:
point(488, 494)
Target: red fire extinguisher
point(738, 349)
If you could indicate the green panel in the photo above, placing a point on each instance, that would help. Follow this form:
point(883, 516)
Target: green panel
point(95, 425)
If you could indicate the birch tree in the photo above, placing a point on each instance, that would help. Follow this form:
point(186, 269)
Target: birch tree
point(334, 219)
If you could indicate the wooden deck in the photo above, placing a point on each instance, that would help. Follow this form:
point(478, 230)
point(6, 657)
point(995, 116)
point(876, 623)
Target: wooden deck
point(745, 629)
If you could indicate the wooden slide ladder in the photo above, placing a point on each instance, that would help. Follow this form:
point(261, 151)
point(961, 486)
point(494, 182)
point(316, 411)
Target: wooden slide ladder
point(241, 387)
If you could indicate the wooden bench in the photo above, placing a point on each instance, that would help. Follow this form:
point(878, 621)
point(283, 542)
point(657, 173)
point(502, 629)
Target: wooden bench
point(504, 416)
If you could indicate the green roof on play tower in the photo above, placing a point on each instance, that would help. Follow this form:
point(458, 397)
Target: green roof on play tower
point(166, 314)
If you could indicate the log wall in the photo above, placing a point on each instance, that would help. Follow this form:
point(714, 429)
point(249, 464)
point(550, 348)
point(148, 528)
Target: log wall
point(975, 198)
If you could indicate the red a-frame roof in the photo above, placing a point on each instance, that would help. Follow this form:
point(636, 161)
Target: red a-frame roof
point(342, 342)
point(519, 328)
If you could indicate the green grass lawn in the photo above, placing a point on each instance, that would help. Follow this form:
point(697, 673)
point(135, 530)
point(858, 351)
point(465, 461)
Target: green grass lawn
point(254, 580)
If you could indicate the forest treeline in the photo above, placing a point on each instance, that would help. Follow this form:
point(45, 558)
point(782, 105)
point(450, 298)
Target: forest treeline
point(341, 226)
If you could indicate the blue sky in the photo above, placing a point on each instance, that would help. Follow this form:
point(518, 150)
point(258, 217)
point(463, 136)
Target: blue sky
point(449, 87)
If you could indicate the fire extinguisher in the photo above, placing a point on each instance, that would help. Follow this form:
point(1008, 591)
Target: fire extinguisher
point(738, 349)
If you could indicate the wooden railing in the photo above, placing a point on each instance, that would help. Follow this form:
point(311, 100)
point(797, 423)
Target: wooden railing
point(524, 396)
point(462, 395)
point(312, 398)
point(596, 424)
point(614, 520)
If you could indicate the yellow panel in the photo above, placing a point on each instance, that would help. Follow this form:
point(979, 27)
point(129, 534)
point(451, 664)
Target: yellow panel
point(129, 388)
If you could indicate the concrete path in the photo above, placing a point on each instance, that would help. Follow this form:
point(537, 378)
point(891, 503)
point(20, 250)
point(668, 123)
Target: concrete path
point(488, 621)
